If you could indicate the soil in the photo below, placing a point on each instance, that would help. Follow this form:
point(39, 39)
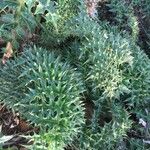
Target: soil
point(12, 124)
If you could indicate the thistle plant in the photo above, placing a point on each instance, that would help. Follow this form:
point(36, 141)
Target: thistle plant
point(91, 57)
point(126, 18)
point(109, 136)
point(110, 63)
point(103, 55)
point(23, 21)
point(57, 15)
point(139, 82)
point(17, 22)
point(47, 93)
point(108, 57)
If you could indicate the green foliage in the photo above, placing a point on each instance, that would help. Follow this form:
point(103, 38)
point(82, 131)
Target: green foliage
point(47, 93)
point(102, 56)
point(113, 67)
point(131, 16)
point(17, 22)
point(108, 55)
point(98, 58)
point(21, 20)
point(139, 82)
point(56, 16)
point(125, 16)
point(109, 136)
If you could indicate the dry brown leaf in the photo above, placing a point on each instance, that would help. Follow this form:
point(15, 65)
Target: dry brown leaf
point(91, 7)
point(8, 53)
point(1, 42)
point(24, 126)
